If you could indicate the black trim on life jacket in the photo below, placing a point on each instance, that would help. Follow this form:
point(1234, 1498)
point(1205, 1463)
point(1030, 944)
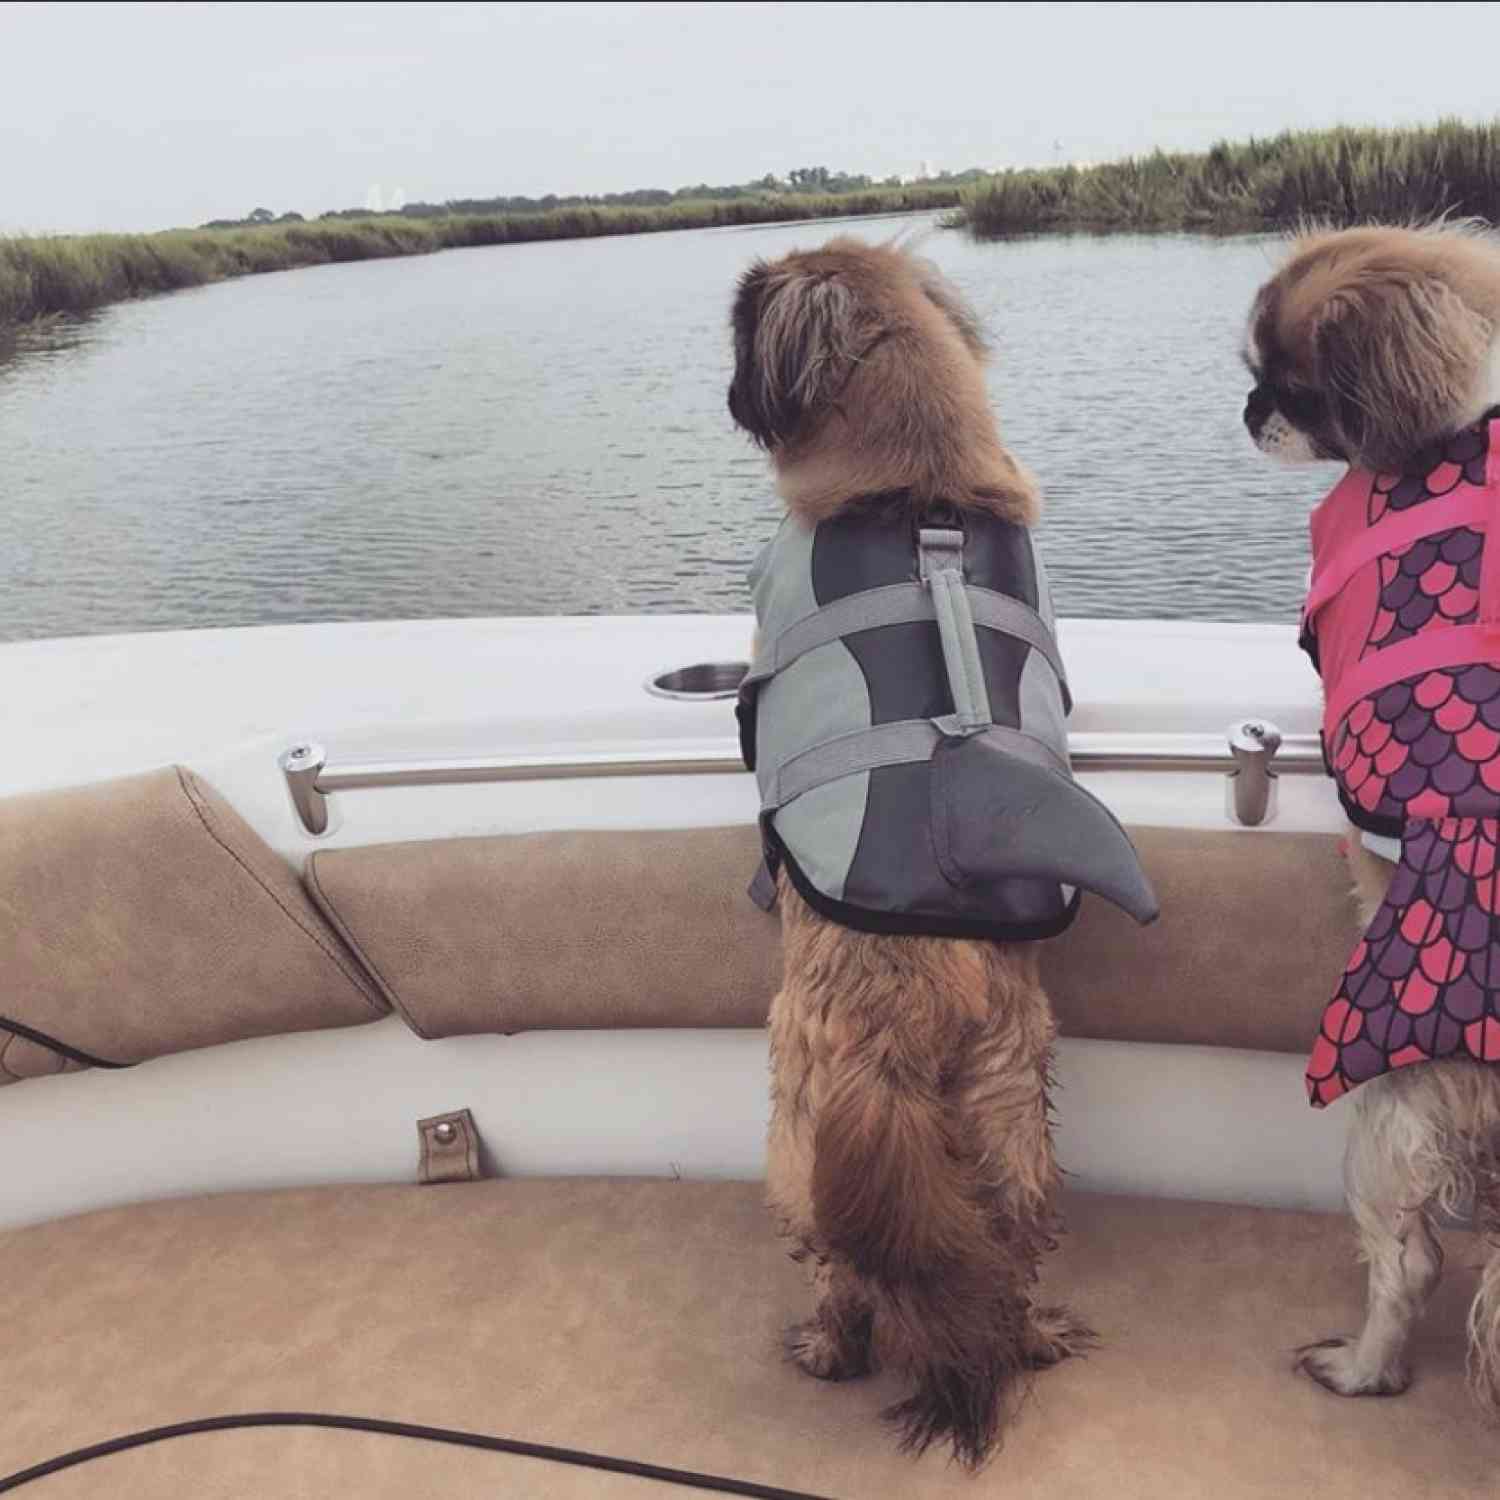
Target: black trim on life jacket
point(908, 924)
point(1388, 828)
point(744, 717)
point(1307, 639)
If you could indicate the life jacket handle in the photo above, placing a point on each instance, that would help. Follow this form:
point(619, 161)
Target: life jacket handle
point(941, 566)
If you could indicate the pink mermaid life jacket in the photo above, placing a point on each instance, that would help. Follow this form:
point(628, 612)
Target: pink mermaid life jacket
point(1402, 621)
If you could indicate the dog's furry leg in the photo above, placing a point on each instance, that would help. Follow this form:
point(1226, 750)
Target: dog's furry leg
point(910, 1158)
point(835, 1343)
point(1054, 1334)
point(980, 1331)
point(1423, 1138)
point(1391, 1176)
point(1395, 1169)
point(789, 1150)
point(1475, 1090)
point(1484, 1314)
point(1003, 1107)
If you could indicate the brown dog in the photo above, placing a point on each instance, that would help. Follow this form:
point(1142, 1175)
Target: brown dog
point(1378, 347)
point(910, 1158)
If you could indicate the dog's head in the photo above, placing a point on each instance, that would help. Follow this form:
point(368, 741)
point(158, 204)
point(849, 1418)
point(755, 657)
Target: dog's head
point(1369, 344)
point(860, 369)
point(806, 327)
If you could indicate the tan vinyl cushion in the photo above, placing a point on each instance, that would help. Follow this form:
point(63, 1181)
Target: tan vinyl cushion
point(641, 1319)
point(143, 916)
point(602, 929)
point(1255, 929)
point(538, 931)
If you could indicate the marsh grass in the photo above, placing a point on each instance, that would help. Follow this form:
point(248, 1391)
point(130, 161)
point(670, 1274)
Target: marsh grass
point(1342, 176)
point(70, 275)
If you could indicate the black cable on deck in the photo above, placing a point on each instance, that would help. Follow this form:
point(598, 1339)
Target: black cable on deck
point(544, 1451)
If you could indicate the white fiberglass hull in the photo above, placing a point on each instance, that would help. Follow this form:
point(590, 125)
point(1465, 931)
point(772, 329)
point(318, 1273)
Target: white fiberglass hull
point(339, 1106)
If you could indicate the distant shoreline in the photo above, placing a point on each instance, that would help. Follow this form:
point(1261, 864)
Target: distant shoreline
point(1342, 176)
point(69, 275)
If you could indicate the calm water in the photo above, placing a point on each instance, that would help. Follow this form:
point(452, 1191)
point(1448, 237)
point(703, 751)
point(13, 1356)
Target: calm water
point(540, 429)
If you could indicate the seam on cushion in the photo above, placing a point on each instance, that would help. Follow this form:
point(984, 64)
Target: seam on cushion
point(10, 1038)
point(331, 911)
point(290, 915)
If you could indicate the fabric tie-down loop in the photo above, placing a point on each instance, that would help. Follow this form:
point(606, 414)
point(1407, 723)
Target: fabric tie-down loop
point(941, 555)
point(449, 1148)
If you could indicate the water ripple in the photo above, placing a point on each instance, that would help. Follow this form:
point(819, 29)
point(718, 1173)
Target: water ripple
point(482, 433)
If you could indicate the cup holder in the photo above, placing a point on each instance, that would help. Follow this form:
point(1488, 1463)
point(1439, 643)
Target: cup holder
point(702, 681)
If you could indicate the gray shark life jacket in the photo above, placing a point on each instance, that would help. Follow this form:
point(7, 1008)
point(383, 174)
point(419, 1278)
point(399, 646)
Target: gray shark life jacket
point(905, 719)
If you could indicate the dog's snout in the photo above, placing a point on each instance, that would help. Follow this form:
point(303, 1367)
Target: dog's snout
point(1258, 407)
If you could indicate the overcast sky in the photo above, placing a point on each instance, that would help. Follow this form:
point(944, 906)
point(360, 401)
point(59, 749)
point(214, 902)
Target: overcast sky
point(142, 116)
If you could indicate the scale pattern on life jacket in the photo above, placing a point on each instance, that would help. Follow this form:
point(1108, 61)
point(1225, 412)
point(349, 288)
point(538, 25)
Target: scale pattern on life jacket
point(1422, 982)
point(1429, 736)
point(1423, 753)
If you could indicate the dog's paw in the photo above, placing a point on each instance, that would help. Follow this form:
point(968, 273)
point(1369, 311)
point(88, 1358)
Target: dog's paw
point(811, 1348)
point(1333, 1364)
point(1053, 1334)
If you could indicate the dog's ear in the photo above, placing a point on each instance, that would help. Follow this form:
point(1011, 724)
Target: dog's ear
point(746, 398)
point(950, 302)
point(795, 343)
point(1400, 356)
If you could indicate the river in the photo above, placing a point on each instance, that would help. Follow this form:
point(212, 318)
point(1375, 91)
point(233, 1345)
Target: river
point(541, 429)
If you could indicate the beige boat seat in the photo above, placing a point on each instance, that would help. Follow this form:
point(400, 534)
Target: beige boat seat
point(143, 917)
point(635, 1318)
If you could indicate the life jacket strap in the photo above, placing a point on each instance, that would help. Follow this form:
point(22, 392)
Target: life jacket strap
point(903, 604)
point(1395, 534)
point(1431, 651)
point(1477, 508)
point(1489, 566)
point(941, 558)
point(763, 886)
point(895, 744)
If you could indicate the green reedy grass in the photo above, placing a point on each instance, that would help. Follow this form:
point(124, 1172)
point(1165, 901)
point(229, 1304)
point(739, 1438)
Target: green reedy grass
point(1341, 176)
point(48, 276)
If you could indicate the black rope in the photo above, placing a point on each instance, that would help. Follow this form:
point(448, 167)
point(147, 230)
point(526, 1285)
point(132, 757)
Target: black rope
point(75, 1054)
point(545, 1451)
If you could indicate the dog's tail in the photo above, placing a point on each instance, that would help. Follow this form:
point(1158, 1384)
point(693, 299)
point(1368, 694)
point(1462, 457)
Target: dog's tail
point(899, 1197)
point(962, 1333)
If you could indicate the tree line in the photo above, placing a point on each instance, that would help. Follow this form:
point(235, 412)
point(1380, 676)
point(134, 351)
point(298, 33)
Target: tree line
point(819, 181)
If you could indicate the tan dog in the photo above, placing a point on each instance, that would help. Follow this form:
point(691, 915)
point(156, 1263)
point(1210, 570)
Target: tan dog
point(910, 1158)
point(1377, 347)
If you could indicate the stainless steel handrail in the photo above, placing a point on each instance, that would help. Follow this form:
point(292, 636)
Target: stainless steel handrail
point(526, 768)
point(1299, 754)
point(310, 778)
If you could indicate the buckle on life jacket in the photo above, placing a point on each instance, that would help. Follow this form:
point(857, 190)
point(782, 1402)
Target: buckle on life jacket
point(938, 515)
